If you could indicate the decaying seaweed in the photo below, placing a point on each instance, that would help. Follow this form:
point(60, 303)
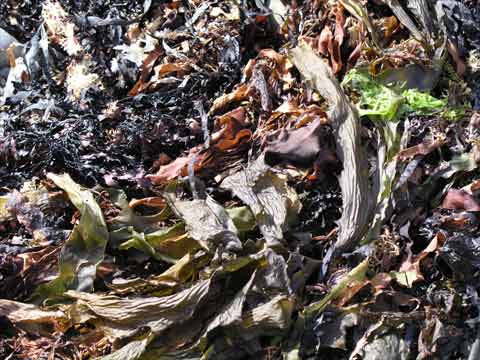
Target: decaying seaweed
point(239, 179)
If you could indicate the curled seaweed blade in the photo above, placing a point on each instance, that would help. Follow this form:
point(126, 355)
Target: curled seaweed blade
point(357, 199)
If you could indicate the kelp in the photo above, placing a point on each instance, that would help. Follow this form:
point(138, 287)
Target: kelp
point(274, 204)
point(3, 208)
point(127, 215)
point(239, 193)
point(131, 230)
point(359, 273)
point(354, 177)
point(85, 247)
point(139, 242)
point(359, 11)
point(234, 324)
point(277, 8)
point(243, 218)
point(207, 222)
point(32, 319)
point(382, 105)
point(385, 344)
point(152, 326)
point(387, 107)
point(423, 14)
point(405, 19)
point(182, 271)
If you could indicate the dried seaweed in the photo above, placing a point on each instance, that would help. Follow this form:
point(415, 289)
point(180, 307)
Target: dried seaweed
point(239, 179)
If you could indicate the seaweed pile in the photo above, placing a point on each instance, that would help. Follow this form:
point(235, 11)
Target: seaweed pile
point(230, 179)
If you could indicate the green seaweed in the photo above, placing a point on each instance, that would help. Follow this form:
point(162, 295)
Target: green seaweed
point(387, 103)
